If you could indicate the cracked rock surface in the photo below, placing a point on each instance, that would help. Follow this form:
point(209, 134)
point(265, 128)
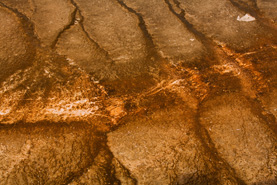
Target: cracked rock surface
point(138, 92)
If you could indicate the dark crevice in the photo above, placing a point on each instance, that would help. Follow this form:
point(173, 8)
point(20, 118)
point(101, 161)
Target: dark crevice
point(93, 154)
point(216, 52)
point(81, 22)
point(127, 172)
point(252, 10)
point(30, 37)
point(255, 12)
point(209, 146)
point(67, 27)
point(105, 168)
point(212, 49)
point(110, 169)
point(26, 24)
point(199, 36)
point(148, 38)
point(255, 4)
point(266, 118)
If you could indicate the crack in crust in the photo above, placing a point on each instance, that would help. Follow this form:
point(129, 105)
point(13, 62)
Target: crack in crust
point(189, 83)
point(81, 21)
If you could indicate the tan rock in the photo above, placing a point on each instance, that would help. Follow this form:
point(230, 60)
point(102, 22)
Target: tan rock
point(50, 17)
point(80, 50)
point(15, 49)
point(163, 148)
point(137, 92)
point(218, 20)
point(46, 154)
point(241, 137)
point(171, 37)
point(114, 29)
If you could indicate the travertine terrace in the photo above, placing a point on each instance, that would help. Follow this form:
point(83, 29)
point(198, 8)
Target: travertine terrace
point(147, 92)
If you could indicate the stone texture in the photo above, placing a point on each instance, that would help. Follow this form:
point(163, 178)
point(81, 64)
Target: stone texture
point(26, 7)
point(12, 33)
point(98, 172)
point(138, 92)
point(77, 47)
point(241, 137)
point(47, 153)
point(270, 102)
point(268, 8)
point(172, 39)
point(122, 174)
point(105, 170)
point(119, 35)
point(50, 18)
point(218, 20)
point(161, 148)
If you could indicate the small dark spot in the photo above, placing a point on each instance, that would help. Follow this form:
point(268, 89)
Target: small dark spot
point(130, 106)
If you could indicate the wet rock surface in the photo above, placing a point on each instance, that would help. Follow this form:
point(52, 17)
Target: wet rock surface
point(138, 92)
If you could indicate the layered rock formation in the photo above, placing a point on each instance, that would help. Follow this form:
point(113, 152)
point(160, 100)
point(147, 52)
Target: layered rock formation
point(138, 92)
